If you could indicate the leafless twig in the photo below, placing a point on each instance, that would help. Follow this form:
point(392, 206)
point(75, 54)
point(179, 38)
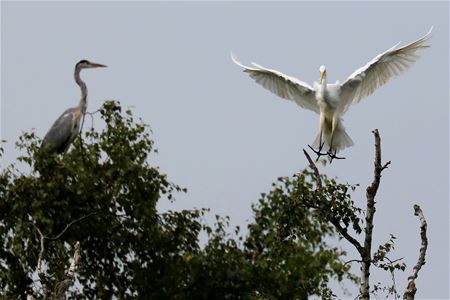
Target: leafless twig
point(352, 261)
point(393, 261)
point(68, 225)
point(92, 116)
point(411, 289)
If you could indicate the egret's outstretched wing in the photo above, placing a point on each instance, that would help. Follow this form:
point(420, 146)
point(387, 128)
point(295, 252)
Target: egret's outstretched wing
point(377, 72)
point(282, 85)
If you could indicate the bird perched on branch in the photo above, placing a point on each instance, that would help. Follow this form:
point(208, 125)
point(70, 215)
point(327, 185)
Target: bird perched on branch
point(331, 101)
point(66, 127)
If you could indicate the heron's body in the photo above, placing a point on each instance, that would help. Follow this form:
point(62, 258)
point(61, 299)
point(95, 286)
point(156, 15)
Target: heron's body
point(331, 101)
point(65, 129)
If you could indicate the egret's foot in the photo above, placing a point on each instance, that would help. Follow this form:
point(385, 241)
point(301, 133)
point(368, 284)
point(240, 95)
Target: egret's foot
point(319, 152)
point(332, 156)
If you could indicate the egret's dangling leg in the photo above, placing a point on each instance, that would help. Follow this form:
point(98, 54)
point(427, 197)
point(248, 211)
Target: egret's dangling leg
point(331, 153)
point(319, 151)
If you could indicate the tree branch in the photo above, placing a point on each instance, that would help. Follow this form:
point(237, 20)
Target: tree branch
point(67, 227)
point(42, 250)
point(313, 166)
point(39, 270)
point(63, 286)
point(411, 289)
point(371, 192)
point(352, 261)
point(339, 228)
point(348, 237)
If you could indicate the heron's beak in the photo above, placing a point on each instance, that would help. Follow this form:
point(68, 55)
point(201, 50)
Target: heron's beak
point(94, 65)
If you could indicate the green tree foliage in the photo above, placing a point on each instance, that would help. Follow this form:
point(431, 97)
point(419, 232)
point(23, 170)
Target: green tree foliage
point(103, 193)
point(287, 239)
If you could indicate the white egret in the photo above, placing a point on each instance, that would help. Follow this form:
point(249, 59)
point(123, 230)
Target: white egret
point(331, 101)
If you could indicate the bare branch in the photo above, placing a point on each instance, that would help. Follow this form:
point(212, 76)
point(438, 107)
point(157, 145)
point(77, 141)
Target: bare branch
point(92, 116)
point(63, 286)
point(385, 165)
point(411, 289)
point(348, 237)
point(42, 250)
point(67, 227)
point(75, 261)
point(313, 166)
point(40, 272)
point(352, 261)
point(371, 192)
point(393, 261)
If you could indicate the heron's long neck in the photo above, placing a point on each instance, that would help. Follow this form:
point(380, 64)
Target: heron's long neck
point(83, 100)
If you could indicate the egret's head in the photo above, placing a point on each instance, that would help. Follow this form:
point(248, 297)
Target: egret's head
point(84, 64)
point(323, 73)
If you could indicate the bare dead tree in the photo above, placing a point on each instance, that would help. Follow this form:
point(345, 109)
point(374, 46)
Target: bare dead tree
point(411, 289)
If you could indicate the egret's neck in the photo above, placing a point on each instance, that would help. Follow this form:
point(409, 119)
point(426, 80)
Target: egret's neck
point(323, 83)
point(83, 101)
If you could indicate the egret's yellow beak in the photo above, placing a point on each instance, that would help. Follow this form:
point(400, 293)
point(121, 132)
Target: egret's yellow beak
point(323, 74)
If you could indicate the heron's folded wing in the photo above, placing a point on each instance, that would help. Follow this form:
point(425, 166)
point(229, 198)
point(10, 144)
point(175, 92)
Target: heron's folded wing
point(282, 85)
point(379, 70)
point(59, 134)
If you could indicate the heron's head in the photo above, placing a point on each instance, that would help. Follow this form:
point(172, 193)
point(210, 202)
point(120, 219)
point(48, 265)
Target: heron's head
point(84, 64)
point(323, 73)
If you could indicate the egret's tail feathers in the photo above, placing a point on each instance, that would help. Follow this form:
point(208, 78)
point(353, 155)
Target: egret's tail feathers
point(341, 140)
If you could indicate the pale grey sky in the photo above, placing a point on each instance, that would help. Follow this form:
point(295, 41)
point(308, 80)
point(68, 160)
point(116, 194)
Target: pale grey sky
point(224, 137)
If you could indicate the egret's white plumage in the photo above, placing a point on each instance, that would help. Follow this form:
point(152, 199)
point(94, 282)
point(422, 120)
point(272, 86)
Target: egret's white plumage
point(331, 101)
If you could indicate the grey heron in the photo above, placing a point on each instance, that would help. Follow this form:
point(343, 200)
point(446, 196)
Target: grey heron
point(66, 127)
point(331, 101)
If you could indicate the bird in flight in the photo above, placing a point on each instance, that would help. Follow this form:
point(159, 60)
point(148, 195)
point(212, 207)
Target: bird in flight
point(332, 100)
point(66, 127)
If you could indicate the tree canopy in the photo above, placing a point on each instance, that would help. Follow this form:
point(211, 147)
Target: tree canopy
point(103, 193)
